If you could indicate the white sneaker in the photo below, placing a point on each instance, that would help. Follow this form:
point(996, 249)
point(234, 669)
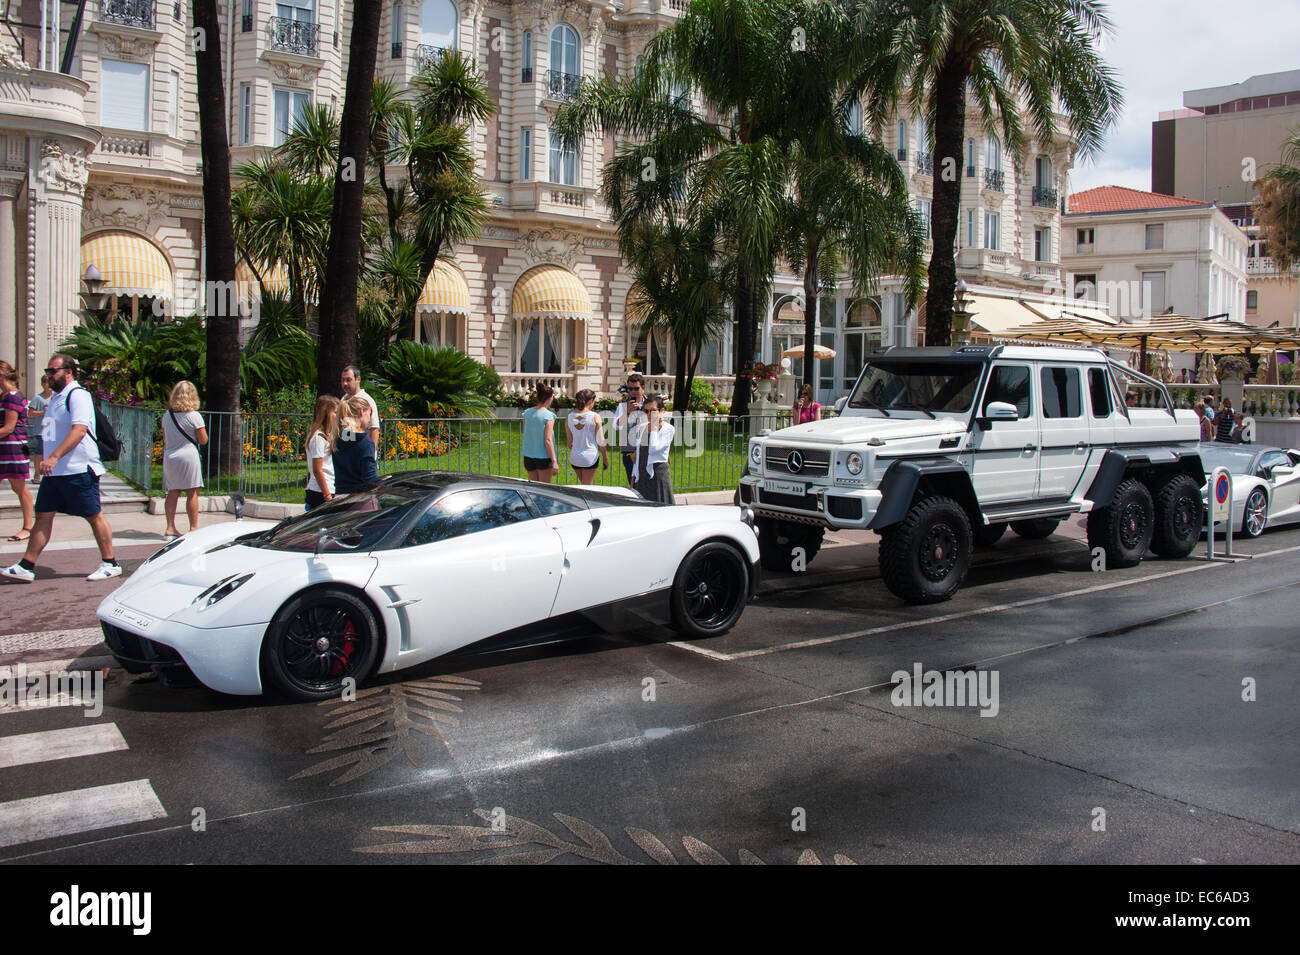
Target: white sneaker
point(17, 572)
point(106, 570)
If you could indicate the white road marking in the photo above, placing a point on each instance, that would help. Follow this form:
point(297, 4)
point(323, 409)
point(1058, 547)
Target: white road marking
point(48, 745)
point(960, 615)
point(51, 639)
point(69, 665)
point(80, 810)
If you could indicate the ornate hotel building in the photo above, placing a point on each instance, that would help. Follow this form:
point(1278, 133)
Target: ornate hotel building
point(99, 165)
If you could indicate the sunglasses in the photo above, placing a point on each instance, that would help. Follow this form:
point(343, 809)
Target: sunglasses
point(50, 371)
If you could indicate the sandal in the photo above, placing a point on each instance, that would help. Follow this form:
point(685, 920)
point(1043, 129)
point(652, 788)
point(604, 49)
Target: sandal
point(22, 535)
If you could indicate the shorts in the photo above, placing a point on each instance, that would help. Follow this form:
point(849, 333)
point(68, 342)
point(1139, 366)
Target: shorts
point(536, 464)
point(314, 498)
point(75, 494)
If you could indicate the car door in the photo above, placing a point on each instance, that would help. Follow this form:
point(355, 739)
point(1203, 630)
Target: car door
point(1065, 430)
point(1004, 462)
point(478, 562)
point(1284, 480)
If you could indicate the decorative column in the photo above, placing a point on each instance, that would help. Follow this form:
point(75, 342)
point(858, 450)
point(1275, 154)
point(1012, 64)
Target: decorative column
point(63, 171)
point(10, 185)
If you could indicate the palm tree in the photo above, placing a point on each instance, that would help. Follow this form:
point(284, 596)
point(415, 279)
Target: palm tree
point(222, 331)
point(1012, 58)
point(732, 54)
point(1278, 205)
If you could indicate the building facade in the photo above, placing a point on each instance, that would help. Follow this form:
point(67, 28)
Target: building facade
point(541, 293)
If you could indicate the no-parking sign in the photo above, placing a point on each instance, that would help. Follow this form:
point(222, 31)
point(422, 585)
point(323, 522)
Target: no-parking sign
point(1221, 495)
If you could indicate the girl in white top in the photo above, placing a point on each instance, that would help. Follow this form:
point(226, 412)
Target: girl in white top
point(654, 480)
point(320, 452)
point(586, 437)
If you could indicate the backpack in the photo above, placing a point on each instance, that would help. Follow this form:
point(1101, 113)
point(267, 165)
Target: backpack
point(106, 439)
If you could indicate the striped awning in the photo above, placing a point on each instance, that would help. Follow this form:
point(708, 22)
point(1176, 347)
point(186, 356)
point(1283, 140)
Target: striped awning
point(130, 264)
point(445, 290)
point(549, 291)
point(275, 280)
point(638, 305)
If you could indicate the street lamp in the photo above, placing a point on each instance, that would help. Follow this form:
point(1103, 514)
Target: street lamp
point(961, 313)
point(93, 297)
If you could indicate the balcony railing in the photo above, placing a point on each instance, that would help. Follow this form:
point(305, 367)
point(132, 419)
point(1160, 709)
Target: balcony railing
point(994, 179)
point(294, 36)
point(1265, 265)
point(925, 164)
point(132, 13)
point(427, 55)
point(1047, 198)
point(560, 85)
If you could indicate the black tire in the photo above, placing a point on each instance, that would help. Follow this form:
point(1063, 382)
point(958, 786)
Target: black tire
point(316, 641)
point(777, 540)
point(924, 558)
point(710, 590)
point(986, 535)
point(1123, 528)
point(1036, 529)
point(1179, 517)
point(1256, 515)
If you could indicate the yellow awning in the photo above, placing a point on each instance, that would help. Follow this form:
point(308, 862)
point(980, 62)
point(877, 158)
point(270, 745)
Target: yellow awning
point(130, 264)
point(549, 291)
point(275, 280)
point(445, 290)
point(637, 307)
point(995, 315)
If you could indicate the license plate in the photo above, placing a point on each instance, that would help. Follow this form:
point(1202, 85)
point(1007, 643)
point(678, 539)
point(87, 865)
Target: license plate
point(785, 487)
point(137, 620)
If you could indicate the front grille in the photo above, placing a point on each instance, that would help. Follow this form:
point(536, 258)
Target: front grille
point(845, 508)
point(815, 463)
point(804, 503)
point(141, 652)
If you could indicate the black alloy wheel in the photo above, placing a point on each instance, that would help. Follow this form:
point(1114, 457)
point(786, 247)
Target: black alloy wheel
point(1123, 528)
point(710, 591)
point(924, 558)
point(317, 641)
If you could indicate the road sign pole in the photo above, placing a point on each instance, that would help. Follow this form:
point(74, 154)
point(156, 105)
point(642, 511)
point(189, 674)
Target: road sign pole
point(1219, 509)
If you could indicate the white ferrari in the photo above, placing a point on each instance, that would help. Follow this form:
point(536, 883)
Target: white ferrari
point(423, 564)
point(1265, 483)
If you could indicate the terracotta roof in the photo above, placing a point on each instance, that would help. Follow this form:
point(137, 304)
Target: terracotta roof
point(1123, 199)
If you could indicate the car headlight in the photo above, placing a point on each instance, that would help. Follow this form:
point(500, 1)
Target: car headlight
point(222, 589)
point(855, 463)
point(162, 550)
point(756, 454)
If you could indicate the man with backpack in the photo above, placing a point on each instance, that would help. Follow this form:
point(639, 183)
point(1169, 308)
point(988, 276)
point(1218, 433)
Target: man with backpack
point(70, 473)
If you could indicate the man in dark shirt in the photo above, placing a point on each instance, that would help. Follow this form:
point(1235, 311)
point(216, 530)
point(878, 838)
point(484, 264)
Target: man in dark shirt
point(1223, 421)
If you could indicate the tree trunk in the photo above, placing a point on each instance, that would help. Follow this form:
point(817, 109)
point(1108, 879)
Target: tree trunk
point(812, 302)
point(681, 389)
point(746, 305)
point(222, 362)
point(949, 130)
point(338, 315)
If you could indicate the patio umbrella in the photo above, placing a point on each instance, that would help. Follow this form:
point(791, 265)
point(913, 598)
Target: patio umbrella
point(1268, 374)
point(1164, 368)
point(1205, 373)
point(819, 351)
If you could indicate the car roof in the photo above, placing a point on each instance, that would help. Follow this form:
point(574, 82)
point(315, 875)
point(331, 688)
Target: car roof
point(437, 483)
point(979, 353)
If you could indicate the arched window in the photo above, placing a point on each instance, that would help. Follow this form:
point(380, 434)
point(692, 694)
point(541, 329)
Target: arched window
point(399, 27)
point(564, 50)
point(970, 157)
point(902, 140)
point(438, 20)
point(853, 125)
point(992, 153)
point(526, 56)
point(1043, 172)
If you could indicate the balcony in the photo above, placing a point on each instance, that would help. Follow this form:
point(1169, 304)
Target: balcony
point(1265, 265)
point(563, 86)
point(925, 164)
point(293, 36)
point(1047, 198)
point(427, 56)
point(130, 13)
point(995, 180)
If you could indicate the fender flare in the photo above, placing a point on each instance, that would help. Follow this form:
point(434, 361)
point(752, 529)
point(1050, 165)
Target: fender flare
point(1117, 462)
point(898, 486)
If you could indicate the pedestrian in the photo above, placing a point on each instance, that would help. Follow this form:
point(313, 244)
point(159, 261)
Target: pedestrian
point(184, 432)
point(35, 418)
point(354, 448)
point(629, 423)
point(654, 481)
point(70, 472)
point(1239, 428)
point(351, 382)
point(586, 437)
point(1209, 407)
point(14, 465)
point(320, 451)
point(1207, 425)
point(805, 409)
point(1224, 421)
point(539, 437)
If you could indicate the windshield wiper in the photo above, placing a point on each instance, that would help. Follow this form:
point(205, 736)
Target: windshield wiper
point(870, 404)
point(912, 406)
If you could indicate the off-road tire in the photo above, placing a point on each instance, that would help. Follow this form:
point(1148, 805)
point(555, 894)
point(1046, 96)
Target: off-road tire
point(1123, 528)
point(777, 540)
point(924, 558)
point(986, 535)
point(1039, 528)
point(1179, 517)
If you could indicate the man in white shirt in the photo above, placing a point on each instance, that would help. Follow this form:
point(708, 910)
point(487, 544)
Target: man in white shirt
point(351, 382)
point(630, 422)
point(70, 473)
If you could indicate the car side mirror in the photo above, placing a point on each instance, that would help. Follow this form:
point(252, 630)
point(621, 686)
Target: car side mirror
point(997, 411)
point(1281, 472)
point(840, 402)
point(237, 505)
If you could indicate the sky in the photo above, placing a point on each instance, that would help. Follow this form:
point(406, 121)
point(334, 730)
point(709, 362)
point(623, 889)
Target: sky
point(1161, 48)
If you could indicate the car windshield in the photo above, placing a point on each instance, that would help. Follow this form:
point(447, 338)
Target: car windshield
point(1236, 460)
point(355, 522)
point(917, 386)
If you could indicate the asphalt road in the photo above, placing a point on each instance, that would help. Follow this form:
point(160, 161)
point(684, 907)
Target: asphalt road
point(1121, 735)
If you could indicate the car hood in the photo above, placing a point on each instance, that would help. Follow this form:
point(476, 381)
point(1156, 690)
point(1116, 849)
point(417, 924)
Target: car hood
point(172, 586)
point(858, 429)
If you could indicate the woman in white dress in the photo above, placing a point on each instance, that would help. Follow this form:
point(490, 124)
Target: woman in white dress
point(183, 433)
point(586, 437)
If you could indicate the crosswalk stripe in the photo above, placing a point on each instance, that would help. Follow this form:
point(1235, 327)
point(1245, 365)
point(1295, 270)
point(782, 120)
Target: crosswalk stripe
point(79, 810)
point(68, 665)
point(50, 639)
point(24, 748)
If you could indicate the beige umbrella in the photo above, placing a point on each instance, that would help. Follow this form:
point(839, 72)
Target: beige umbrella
point(819, 351)
point(1268, 370)
point(1164, 368)
point(1205, 373)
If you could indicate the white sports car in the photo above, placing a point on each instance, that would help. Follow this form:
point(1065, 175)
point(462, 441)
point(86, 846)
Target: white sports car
point(422, 564)
point(1265, 483)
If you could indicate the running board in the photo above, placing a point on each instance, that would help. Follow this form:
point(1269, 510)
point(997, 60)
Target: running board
point(1019, 512)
